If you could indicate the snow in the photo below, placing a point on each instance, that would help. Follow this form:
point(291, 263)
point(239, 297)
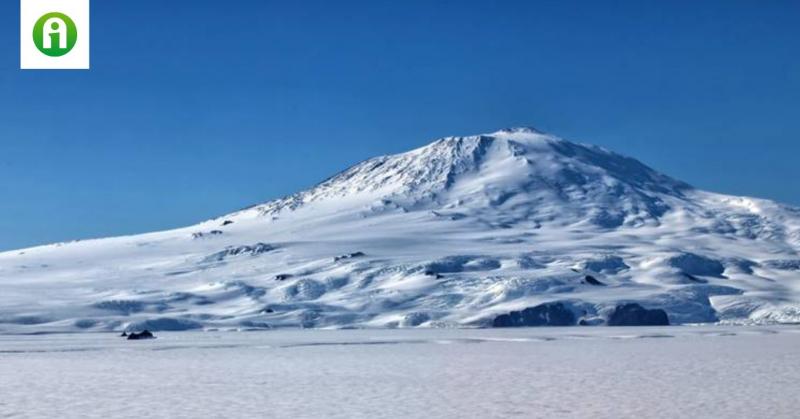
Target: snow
point(448, 235)
point(715, 372)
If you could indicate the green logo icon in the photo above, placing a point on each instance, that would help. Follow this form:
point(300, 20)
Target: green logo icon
point(55, 34)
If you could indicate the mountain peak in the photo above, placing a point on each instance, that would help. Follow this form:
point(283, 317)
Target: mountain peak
point(518, 130)
point(539, 175)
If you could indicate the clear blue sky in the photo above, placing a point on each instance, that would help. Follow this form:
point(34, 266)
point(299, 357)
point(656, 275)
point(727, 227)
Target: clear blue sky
point(196, 108)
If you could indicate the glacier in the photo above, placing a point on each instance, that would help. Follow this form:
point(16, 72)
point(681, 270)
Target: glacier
point(452, 234)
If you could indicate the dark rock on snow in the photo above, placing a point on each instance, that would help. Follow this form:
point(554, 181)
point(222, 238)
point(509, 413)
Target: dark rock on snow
point(783, 264)
point(200, 234)
point(145, 334)
point(434, 274)
point(592, 281)
point(633, 314)
point(252, 250)
point(695, 279)
point(283, 277)
point(547, 314)
point(349, 256)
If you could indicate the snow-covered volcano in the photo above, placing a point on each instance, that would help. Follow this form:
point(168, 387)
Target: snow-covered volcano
point(455, 233)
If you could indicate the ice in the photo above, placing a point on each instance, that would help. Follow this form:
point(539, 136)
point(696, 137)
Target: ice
point(657, 372)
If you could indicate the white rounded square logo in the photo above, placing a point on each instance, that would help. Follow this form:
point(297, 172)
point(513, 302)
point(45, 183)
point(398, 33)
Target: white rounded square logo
point(54, 34)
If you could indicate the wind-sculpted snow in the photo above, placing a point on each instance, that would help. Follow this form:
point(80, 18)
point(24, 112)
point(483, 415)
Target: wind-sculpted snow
point(453, 234)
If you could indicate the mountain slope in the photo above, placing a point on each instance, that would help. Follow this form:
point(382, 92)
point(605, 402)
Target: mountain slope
point(451, 234)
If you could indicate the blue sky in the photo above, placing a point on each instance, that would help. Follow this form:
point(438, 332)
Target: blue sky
point(196, 108)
